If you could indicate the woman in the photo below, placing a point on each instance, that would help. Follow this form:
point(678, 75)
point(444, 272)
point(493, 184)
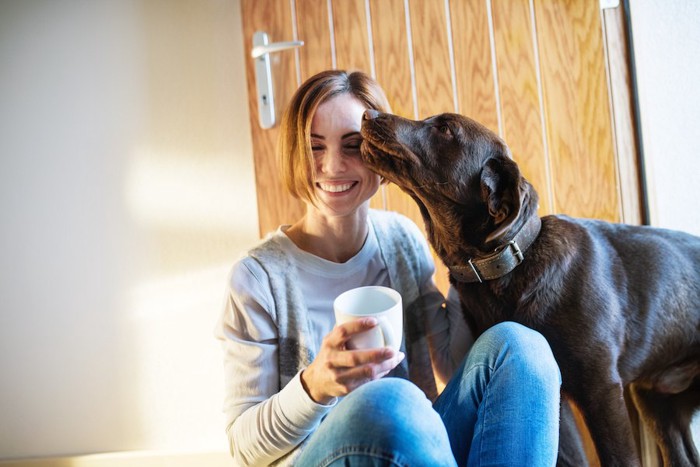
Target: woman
point(296, 395)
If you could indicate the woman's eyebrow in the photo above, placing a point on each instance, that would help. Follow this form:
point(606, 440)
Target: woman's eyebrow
point(346, 135)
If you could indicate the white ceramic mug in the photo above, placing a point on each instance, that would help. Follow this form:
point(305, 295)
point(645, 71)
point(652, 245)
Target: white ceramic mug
point(382, 303)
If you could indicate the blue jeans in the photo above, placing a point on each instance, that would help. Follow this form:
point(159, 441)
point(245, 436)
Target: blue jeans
point(500, 408)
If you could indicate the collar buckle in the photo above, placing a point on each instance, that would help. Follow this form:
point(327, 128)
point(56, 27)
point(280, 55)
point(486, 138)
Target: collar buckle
point(476, 271)
point(516, 251)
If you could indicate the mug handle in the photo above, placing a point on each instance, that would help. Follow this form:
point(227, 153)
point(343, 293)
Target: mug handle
point(387, 332)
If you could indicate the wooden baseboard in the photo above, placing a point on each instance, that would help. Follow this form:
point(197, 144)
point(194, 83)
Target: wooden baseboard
point(129, 459)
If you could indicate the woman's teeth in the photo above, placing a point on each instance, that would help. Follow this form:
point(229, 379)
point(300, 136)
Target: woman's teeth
point(336, 188)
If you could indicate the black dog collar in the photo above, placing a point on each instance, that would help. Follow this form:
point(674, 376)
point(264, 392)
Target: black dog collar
point(503, 260)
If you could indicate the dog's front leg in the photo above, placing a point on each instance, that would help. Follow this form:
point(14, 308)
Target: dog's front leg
point(603, 407)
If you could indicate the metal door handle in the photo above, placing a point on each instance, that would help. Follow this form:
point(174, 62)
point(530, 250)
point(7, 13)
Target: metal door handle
point(260, 50)
point(263, 75)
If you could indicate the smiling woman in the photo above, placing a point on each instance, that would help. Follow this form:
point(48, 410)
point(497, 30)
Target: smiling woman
point(289, 363)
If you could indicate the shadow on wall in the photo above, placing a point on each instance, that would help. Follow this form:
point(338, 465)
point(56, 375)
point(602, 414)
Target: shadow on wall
point(70, 111)
point(128, 196)
point(129, 460)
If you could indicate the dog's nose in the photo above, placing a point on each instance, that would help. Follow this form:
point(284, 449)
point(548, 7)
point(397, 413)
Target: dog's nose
point(370, 114)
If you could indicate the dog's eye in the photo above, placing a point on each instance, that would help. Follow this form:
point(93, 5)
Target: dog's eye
point(445, 130)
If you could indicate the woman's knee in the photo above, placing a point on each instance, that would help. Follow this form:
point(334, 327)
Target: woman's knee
point(524, 349)
point(393, 402)
point(387, 396)
point(389, 421)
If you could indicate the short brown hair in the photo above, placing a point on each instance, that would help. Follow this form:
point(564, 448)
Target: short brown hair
point(294, 152)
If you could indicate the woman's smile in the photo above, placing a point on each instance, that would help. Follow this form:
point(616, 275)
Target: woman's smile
point(336, 187)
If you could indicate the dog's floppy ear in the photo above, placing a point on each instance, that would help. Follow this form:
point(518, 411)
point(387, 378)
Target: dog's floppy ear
point(500, 181)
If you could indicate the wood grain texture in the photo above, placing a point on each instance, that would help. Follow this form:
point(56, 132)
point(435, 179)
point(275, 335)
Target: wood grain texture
point(275, 205)
point(623, 115)
point(476, 94)
point(521, 116)
point(431, 58)
point(391, 54)
point(351, 35)
point(579, 127)
point(313, 27)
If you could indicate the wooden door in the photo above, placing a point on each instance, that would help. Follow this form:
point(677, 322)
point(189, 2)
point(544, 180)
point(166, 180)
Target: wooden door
point(550, 76)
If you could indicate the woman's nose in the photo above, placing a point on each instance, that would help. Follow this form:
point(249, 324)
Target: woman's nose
point(333, 161)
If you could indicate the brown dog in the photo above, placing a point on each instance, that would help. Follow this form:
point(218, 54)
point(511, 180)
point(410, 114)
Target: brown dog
point(619, 304)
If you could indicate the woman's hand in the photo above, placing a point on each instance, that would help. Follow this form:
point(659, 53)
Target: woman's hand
point(337, 371)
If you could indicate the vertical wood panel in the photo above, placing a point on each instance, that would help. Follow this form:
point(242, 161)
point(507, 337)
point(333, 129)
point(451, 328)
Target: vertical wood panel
point(519, 93)
point(476, 95)
point(275, 206)
point(351, 36)
point(623, 114)
point(431, 57)
point(313, 28)
point(391, 54)
point(577, 110)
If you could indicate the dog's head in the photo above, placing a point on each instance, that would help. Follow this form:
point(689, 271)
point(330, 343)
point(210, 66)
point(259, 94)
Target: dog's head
point(459, 172)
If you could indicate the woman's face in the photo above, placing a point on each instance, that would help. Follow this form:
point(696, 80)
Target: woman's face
point(342, 183)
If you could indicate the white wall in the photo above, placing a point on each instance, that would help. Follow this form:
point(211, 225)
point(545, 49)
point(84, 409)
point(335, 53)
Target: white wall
point(667, 50)
point(126, 193)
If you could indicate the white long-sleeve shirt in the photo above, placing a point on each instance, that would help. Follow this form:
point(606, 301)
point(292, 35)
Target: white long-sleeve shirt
point(265, 422)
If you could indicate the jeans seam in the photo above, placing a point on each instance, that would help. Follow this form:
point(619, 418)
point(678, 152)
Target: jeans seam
point(482, 411)
point(346, 451)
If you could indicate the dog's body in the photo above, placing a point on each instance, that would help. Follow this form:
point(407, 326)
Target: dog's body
point(619, 304)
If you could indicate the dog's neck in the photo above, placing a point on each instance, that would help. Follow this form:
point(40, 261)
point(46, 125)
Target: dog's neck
point(503, 260)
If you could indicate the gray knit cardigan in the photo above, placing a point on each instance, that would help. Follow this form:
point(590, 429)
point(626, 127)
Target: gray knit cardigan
point(399, 248)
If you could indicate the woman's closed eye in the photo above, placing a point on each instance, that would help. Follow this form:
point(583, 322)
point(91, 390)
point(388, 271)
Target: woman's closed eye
point(352, 145)
point(352, 148)
point(317, 147)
